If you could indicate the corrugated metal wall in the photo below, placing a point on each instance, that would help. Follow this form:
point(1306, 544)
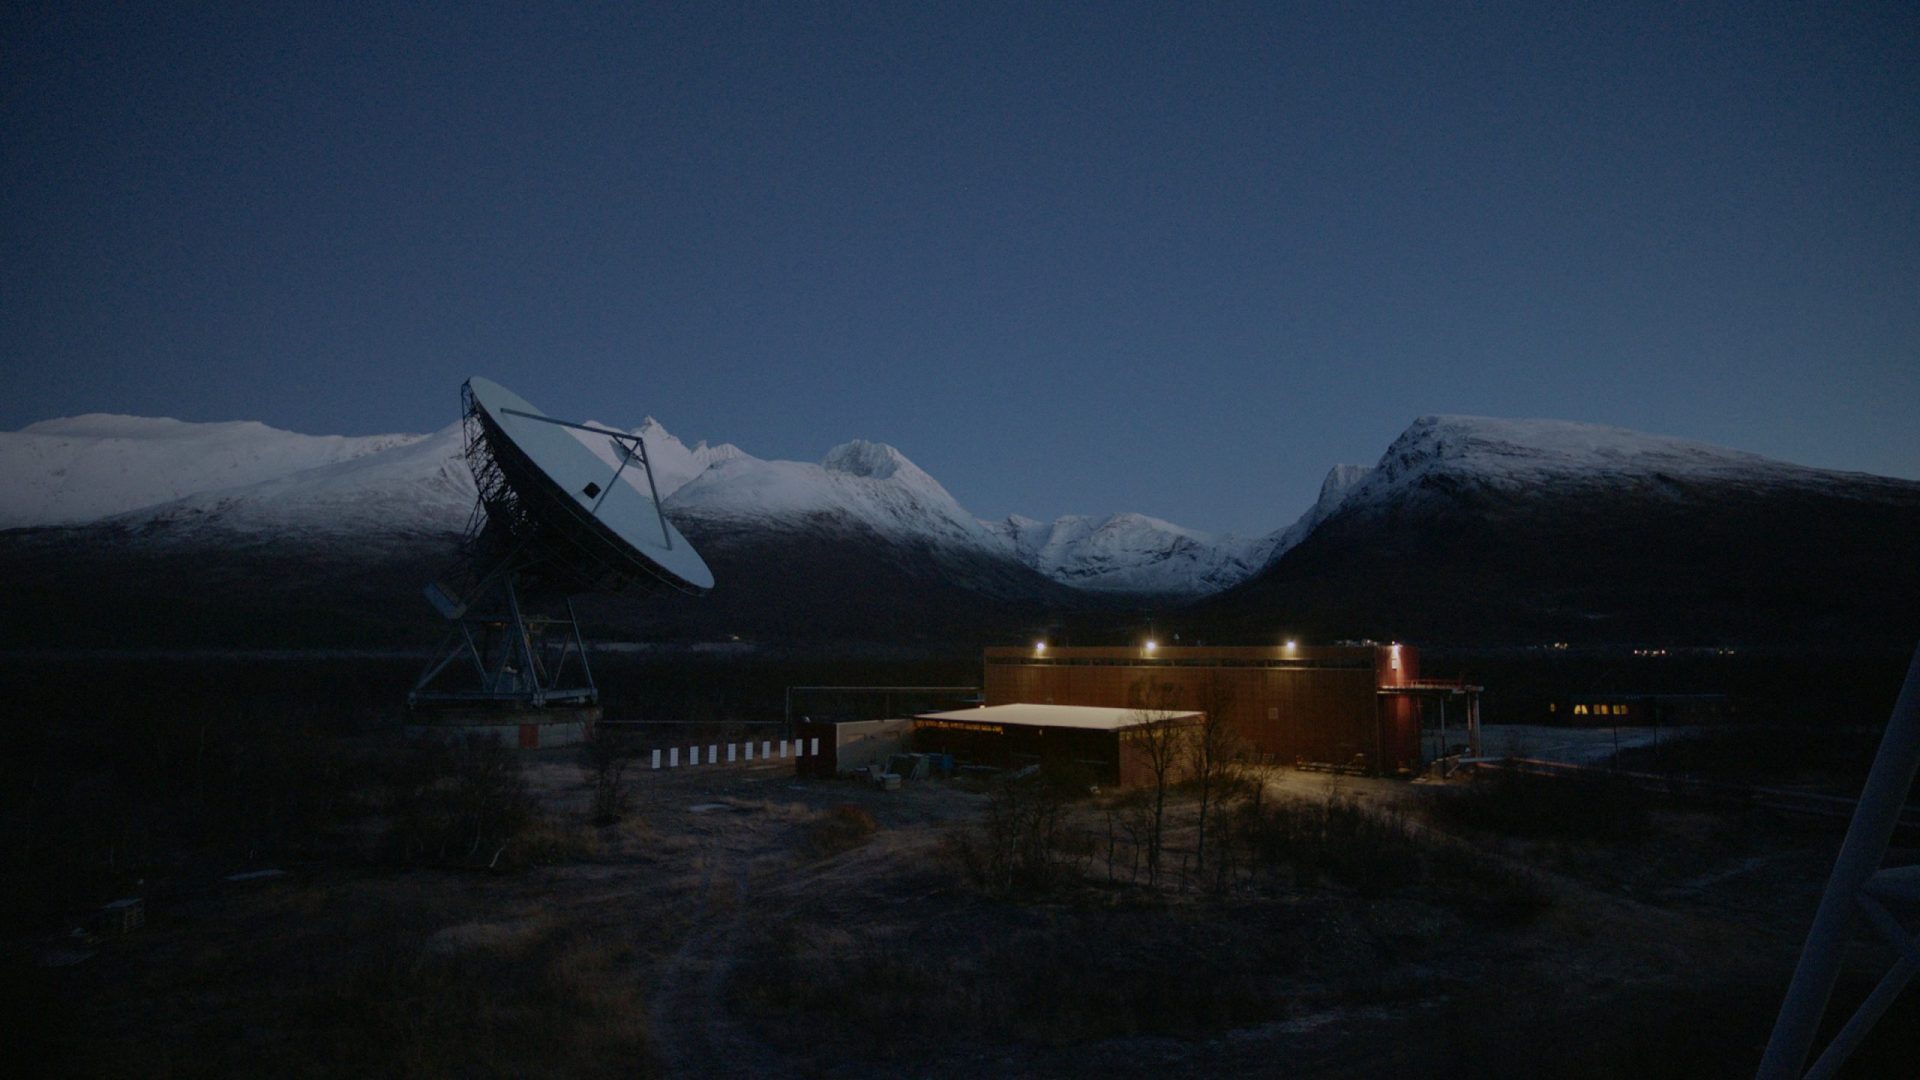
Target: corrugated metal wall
point(1313, 704)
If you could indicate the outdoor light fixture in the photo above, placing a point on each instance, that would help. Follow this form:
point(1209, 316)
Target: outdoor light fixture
point(1152, 644)
point(1039, 646)
point(1292, 644)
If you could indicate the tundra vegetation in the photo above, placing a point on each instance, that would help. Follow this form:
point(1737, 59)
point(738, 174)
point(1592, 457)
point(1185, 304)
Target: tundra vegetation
point(448, 909)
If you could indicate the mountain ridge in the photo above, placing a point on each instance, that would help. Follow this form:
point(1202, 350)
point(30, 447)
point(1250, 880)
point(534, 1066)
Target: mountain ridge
point(1466, 526)
point(186, 489)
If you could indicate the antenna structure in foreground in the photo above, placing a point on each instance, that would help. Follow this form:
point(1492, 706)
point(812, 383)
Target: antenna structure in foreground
point(554, 518)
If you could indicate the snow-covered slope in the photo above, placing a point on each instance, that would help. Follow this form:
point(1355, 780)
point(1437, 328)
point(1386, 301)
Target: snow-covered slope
point(1442, 456)
point(418, 487)
point(1129, 553)
point(857, 484)
point(77, 469)
point(1504, 531)
point(189, 479)
point(674, 462)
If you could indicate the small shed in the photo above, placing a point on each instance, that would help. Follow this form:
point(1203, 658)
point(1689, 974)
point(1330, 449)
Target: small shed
point(1109, 746)
point(849, 746)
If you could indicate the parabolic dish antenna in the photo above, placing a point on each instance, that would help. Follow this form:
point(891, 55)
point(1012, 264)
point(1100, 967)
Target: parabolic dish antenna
point(551, 489)
point(554, 518)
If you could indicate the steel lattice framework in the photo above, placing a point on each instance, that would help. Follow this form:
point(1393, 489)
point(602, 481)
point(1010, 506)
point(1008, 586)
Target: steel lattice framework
point(521, 547)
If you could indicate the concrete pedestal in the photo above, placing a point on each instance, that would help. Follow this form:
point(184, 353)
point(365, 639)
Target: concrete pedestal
point(525, 729)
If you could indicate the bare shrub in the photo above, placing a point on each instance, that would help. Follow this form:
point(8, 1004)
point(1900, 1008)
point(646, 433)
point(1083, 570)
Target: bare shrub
point(1160, 742)
point(458, 800)
point(1375, 851)
point(1371, 851)
point(1024, 843)
point(604, 762)
point(842, 828)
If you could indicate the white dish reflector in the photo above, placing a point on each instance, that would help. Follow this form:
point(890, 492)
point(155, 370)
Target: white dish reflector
point(613, 518)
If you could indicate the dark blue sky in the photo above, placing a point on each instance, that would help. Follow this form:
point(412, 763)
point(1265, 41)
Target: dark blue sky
point(1083, 260)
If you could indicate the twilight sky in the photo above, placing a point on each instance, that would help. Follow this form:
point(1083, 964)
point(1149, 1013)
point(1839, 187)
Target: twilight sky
point(1176, 259)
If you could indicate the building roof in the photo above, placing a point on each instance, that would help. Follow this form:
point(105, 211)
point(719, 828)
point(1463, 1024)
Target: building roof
point(1083, 717)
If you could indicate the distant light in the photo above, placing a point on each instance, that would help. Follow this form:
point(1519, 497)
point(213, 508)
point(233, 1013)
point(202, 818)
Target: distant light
point(1152, 644)
point(1039, 646)
point(1292, 644)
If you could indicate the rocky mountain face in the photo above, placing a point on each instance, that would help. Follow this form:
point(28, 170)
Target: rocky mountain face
point(1480, 530)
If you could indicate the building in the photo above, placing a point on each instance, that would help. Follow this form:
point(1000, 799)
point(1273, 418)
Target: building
point(1629, 710)
point(1106, 745)
point(1356, 706)
point(848, 746)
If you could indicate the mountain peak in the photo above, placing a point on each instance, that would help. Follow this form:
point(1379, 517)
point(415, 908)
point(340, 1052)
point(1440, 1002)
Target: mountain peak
point(1342, 479)
point(1127, 552)
point(876, 461)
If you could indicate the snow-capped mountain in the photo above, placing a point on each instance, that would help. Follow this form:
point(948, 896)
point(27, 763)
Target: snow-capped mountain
point(1130, 553)
point(674, 463)
point(185, 482)
point(1437, 453)
point(858, 484)
point(417, 488)
point(1472, 527)
point(81, 468)
point(1467, 529)
point(861, 546)
point(1340, 483)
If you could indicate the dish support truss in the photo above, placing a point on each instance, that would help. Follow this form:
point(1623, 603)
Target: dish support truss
point(1860, 891)
point(504, 654)
point(514, 659)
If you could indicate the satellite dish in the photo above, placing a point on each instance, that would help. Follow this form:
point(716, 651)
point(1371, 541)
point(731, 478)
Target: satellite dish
point(553, 519)
point(542, 486)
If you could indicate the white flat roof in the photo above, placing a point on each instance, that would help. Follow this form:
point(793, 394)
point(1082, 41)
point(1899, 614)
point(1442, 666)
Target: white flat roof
point(1085, 717)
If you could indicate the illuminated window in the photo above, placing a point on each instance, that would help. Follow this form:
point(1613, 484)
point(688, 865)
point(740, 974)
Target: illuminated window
point(1579, 710)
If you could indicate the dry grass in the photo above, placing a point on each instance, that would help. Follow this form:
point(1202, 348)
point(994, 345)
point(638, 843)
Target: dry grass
point(842, 828)
point(397, 979)
point(1550, 808)
point(1020, 974)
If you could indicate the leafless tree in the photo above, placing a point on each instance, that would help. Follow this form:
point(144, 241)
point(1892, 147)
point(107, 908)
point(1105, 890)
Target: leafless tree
point(603, 762)
point(1159, 737)
point(1214, 750)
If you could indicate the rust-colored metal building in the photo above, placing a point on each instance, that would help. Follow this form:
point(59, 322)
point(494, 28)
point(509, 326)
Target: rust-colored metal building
point(1105, 744)
point(1347, 705)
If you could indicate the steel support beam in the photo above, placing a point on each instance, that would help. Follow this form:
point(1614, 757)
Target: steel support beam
point(1840, 906)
